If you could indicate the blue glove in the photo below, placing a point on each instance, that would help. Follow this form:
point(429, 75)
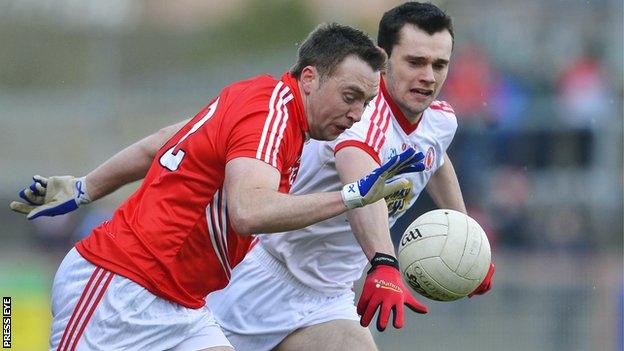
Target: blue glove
point(375, 186)
point(51, 196)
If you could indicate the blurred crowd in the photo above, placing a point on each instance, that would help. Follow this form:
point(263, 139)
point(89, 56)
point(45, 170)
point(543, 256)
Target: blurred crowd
point(539, 146)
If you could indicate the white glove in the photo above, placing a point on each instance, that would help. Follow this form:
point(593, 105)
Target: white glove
point(375, 186)
point(52, 196)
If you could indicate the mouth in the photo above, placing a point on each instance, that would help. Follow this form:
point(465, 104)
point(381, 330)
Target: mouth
point(342, 128)
point(423, 92)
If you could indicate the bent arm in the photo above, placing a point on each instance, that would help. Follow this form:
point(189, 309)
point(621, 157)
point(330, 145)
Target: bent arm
point(256, 206)
point(128, 165)
point(369, 223)
point(443, 187)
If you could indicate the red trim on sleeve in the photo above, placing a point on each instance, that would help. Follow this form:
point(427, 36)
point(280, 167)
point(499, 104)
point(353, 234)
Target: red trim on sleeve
point(442, 105)
point(360, 145)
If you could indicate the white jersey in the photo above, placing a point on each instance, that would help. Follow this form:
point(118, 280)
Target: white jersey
point(326, 256)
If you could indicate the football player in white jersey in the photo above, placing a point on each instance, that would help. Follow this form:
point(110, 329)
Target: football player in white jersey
point(293, 291)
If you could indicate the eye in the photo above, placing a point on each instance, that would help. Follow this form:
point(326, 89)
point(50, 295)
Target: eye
point(349, 99)
point(439, 66)
point(415, 62)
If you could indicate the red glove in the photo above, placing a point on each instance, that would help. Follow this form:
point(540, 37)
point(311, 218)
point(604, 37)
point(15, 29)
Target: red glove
point(384, 288)
point(486, 285)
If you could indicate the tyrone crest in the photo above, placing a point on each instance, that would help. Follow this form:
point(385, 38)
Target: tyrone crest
point(429, 158)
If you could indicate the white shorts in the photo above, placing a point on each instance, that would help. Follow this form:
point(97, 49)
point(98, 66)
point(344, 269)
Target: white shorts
point(94, 309)
point(264, 303)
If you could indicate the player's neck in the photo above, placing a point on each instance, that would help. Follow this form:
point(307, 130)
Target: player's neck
point(413, 119)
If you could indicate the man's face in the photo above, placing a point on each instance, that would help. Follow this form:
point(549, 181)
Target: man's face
point(337, 101)
point(417, 69)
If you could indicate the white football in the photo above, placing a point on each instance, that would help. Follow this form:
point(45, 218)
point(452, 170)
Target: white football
point(444, 255)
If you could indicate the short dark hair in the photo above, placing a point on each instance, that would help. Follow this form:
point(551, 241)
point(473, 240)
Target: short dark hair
point(329, 44)
point(425, 16)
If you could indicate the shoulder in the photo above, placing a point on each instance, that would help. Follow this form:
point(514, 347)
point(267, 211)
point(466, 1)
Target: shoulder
point(442, 106)
point(442, 113)
point(258, 85)
point(257, 94)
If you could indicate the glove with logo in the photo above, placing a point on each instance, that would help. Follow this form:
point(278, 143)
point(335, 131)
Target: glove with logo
point(374, 186)
point(384, 288)
point(52, 196)
point(486, 285)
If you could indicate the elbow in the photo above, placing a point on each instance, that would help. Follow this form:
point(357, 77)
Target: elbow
point(157, 140)
point(243, 222)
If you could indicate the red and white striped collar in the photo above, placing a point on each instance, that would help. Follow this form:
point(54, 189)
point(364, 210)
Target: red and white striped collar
point(299, 112)
point(405, 124)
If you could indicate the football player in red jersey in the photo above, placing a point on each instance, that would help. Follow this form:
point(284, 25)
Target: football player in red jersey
point(139, 281)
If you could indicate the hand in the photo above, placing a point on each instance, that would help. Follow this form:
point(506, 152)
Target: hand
point(486, 285)
point(374, 186)
point(384, 288)
point(52, 196)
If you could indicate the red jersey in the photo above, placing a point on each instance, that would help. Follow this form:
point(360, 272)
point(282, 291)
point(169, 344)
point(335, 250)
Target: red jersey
point(173, 236)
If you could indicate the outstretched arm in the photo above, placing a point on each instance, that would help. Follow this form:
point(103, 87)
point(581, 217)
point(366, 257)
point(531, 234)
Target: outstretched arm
point(256, 206)
point(61, 194)
point(128, 165)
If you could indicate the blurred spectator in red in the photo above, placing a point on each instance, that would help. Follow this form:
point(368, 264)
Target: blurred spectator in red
point(583, 89)
point(469, 85)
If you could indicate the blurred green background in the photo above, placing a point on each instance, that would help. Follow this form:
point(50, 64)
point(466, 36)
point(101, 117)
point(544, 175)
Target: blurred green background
point(536, 85)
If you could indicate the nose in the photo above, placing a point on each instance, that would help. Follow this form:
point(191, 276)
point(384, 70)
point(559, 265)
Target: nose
point(427, 75)
point(355, 113)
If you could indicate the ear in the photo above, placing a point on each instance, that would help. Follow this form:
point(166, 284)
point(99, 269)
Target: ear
point(308, 78)
point(384, 68)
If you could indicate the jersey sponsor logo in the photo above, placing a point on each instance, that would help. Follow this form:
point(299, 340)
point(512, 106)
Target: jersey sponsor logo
point(399, 201)
point(429, 158)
